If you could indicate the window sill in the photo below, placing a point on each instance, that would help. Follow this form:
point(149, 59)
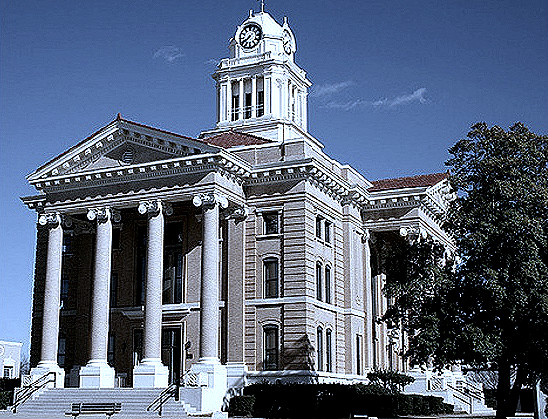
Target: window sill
point(268, 236)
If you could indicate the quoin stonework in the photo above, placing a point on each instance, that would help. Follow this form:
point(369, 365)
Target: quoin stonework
point(243, 255)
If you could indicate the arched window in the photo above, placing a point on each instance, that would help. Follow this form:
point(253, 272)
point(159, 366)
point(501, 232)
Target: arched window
point(319, 286)
point(270, 274)
point(328, 351)
point(270, 339)
point(328, 284)
point(319, 350)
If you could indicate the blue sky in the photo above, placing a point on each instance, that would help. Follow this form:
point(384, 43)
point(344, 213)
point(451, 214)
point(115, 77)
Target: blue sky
point(396, 83)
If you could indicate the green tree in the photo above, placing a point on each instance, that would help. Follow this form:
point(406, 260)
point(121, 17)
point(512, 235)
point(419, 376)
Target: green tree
point(490, 310)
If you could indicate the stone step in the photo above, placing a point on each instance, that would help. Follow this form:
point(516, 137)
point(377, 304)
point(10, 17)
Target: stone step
point(55, 402)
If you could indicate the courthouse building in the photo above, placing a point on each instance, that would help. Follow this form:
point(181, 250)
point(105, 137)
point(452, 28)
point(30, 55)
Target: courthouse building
point(244, 254)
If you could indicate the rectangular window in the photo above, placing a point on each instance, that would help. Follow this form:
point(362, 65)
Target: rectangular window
point(319, 227)
point(116, 232)
point(235, 107)
point(173, 264)
point(247, 106)
point(328, 284)
point(65, 283)
point(8, 372)
point(359, 354)
point(271, 278)
point(61, 351)
point(320, 348)
point(328, 351)
point(271, 348)
point(67, 243)
point(327, 232)
point(270, 223)
point(113, 289)
point(319, 286)
point(141, 265)
point(111, 348)
point(260, 103)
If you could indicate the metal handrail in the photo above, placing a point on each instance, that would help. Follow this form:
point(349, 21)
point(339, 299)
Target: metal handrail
point(466, 395)
point(22, 396)
point(164, 396)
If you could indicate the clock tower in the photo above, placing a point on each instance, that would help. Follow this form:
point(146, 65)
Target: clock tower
point(260, 89)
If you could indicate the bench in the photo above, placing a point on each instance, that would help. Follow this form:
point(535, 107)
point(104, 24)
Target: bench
point(108, 409)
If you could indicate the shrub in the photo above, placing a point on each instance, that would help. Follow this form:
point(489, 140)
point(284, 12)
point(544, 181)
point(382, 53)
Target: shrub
point(241, 405)
point(338, 400)
point(390, 379)
point(5, 398)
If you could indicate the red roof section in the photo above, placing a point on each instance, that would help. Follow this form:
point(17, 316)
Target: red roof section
point(232, 138)
point(408, 182)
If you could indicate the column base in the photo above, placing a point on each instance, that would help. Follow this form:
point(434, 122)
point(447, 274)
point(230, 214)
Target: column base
point(97, 374)
point(45, 367)
point(150, 373)
point(207, 395)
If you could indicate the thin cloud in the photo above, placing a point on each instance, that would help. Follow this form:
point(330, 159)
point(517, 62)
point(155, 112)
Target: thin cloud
point(170, 53)
point(417, 96)
point(328, 89)
point(212, 61)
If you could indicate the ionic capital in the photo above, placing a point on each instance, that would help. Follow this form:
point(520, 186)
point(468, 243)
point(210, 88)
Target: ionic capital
point(366, 236)
point(210, 200)
point(413, 233)
point(104, 214)
point(51, 220)
point(153, 208)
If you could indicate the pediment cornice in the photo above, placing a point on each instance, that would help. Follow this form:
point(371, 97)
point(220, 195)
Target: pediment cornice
point(113, 135)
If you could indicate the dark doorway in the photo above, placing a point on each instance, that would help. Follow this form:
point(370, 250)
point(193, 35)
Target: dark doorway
point(171, 352)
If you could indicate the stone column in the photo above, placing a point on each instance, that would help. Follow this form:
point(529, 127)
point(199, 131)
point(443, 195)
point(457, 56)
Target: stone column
point(52, 299)
point(229, 101)
point(151, 372)
point(97, 373)
point(368, 302)
point(208, 369)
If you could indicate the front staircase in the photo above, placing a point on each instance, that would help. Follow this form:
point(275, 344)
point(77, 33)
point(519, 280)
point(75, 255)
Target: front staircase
point(52, 403)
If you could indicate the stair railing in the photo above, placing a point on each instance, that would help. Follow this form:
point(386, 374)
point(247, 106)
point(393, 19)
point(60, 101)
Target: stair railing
point(27, 392)
point(158, 403)
point(467, 394)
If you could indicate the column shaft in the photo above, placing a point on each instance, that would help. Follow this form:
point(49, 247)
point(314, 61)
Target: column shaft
point(101, 290)
point(52, 295)
point(241, 98)
point(152, 333)
point(209, 299)
point(368, 306)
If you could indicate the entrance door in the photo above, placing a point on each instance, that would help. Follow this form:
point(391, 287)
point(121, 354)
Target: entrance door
point(171, 352)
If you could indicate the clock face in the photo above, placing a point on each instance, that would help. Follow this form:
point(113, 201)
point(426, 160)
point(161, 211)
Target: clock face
point(288, 47)
point(250, 36)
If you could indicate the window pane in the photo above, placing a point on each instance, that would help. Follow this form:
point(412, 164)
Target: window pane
point(328, 351)
point(319, 227)
point(271, 348)
point(319, 281)
point(113, 289)
point(320, 348)
point(271, 278)
point(328, 232)
point(328, 284)
point(270, 223)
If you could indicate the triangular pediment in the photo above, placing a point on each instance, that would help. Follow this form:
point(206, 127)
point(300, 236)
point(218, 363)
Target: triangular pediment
point(121, 143)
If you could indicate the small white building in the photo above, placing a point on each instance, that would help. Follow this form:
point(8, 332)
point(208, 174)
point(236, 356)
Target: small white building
point(10, 359)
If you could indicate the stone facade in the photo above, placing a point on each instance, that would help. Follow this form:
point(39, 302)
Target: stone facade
point(243, 255)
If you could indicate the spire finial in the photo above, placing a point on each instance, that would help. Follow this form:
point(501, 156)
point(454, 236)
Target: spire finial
point(262, 5)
